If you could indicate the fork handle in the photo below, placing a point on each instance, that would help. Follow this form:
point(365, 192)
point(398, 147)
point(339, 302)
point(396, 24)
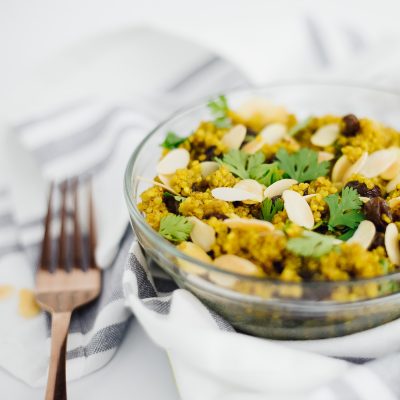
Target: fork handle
point(56, 383)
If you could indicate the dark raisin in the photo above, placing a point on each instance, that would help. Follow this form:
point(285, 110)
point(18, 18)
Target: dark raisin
point(278, 266)
point(217, 215)
point(200, 187)
point(374, 209)
point(236, 203)
point(250, 135)
point(210, 153)
point(305, 273)
point(351, 125)
point(379, 240)
point(396, 214)
point(363, 190)
point(171, 204)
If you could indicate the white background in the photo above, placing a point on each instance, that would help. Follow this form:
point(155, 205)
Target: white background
point(253, 33)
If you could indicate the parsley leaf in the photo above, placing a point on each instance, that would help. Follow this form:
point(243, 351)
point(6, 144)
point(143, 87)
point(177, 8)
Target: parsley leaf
point(345, 211)
point(219, 109)
point(311, 244)
point(236, 162)
point(172, 141)
point(269, 208)
point(303, 165)
point(299, 127)
point(175, 227)
point(266, 174)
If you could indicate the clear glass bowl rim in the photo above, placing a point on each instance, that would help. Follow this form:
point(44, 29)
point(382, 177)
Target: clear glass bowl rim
point(166, 246)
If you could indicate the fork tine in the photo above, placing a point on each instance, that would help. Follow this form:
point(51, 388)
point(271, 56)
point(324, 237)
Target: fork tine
point(62, 242)
point(92, 229)
point(77, 246)
point(45, 257)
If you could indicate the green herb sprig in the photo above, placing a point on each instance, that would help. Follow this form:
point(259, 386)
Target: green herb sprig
point(220, 110)
point(172, 141)
point(269, 208)
point(175, 227)
point(311, 244)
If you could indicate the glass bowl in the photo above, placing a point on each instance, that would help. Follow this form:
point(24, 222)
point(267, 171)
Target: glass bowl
point(265, 307)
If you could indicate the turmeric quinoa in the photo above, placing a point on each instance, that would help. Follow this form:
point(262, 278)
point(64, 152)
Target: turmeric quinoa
point(258, 192)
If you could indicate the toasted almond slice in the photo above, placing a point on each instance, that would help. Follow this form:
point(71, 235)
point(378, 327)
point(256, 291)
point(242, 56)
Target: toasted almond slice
point(238, 265)
point(356, 167)
point(364, 235)
point(251, 186)
point(233, 139)
point(202, 234)
point(395, 202)
point(193, 250)
point(378, 162)
point(233, 194)
point(278, 187)
point(325, 156)
point(392, 243)
point(394, 169)
point(253, 146)
point(165, 179)
point(393, 183)
point(326, 135)
point(364, 199)
point(208, 167)
point(175, 159)
point(308, 197)
point(273, 133)
point(263, 109)
point(249, 224)
point(143, 179)
point(297, 209)
point(340, 168)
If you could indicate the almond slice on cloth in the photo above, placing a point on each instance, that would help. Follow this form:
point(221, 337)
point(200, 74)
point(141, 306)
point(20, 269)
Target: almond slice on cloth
point(195, 251)
point(278, 187)
point(393, 183)
point(340, 168)
point(175, 159)
point(249, 224)
point(394, 202)
point(234, 138)
point(253, 146)
point(297, 208)
point(238, 265)
point(202, 234)
point(208, 167)
point(166, 187)
point(392, 243)
point(356, 167)
point(394, 169)
point(273, 133)
point(233, 194)
point(378, 162)
point(364, 235)
point(325, 156)
point(251, 186)
point(326, 135)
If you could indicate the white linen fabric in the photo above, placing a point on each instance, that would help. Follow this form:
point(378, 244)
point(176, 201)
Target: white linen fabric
point(210, 360)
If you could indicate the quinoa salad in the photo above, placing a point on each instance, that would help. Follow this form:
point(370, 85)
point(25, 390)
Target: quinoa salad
point(259, 192)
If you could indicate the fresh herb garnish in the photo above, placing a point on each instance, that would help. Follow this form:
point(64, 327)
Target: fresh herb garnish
point(311, 244)
point(299, 127)
point(172, 141)
point(303, 165)
point(347, 235)
point(219, 109)
point(175, 227)
point(176, 197)
point(251, 167)
point(269, 208)
point(344, 211)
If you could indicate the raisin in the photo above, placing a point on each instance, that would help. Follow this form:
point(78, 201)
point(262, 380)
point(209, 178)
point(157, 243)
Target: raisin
point(351, 125)
point(363, 190)
point(171, 204)
point(374, 209)
point(200, 187)
point(396, 214)
point(379, 240)
point(210, 153)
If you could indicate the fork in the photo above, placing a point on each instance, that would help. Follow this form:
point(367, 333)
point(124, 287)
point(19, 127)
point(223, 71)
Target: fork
point(62, 290)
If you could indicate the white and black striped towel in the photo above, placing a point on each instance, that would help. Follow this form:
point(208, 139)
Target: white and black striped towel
point(210, 360)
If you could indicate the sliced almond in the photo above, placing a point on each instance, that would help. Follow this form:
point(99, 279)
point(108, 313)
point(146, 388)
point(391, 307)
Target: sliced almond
point(202, 234)
point(249, 224)
point(297, 209)
point(393, 183)
point(325, 156)
point(340, 168)
point(208, 167)
point(233, 194)
point(175, 159)
point(263, 110)
point(395, 202)
point(378, 162)
point(364, 199)
point(165, 179)
point(251, 186)
point(193, 250)
point(273, 133)
point(253, 146)
point(326, 135)
point(143, 179)
point(308, 197)
point(364, 235)
point(234, 138)
point(394, 169)
point(278, 187)
point(392, 243)
point(238, 265)
point(356, 167)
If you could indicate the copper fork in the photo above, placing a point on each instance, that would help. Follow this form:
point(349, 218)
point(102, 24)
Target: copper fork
point(62, 290)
